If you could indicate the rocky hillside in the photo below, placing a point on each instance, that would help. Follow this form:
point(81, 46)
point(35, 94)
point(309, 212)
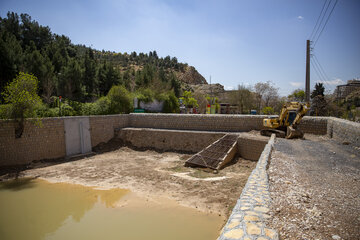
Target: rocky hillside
point(191, 76)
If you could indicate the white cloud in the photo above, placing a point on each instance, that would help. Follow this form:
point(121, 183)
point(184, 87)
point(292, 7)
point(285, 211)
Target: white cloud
point(300, 18)
point(336, 81)
point(228, 88)
point(296, 84)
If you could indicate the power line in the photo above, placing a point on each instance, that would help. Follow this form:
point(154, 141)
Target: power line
point(317, 21)
point(321, 75)
point(326, 22)
point(318, 72)
point(321, 68)
point(322, 18)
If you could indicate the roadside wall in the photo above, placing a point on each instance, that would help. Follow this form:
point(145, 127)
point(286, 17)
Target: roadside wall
point(45, 142)
point(314, 125)
point(344, 131)
point(199, 122)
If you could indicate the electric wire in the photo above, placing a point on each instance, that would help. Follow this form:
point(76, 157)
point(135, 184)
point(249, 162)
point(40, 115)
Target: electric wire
point(317, 21)
point(326, 22)
point(322, 18)
point(320, 75)
point(321, 68)
point(327, 79)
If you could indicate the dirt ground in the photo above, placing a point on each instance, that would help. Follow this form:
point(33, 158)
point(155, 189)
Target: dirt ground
point(315, 189)
point(149, 173)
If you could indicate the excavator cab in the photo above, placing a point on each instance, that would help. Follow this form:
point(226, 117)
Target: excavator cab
point(285, 125)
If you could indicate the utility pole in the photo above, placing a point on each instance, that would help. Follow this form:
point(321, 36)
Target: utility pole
point(307, 80)
point(210, 91)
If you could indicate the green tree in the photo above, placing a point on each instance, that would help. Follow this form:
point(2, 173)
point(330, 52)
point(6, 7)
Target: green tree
point(70, 84)
point(10, 57)
point(89, 72)
point(297, 95)
point(120, 100)
point(318, 91)
point(175, 85)
point(171, 103)
point(189, 100)
point(268, 110)
point(22, 96)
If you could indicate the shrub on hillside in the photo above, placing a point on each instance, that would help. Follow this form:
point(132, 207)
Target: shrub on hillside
point(171, 103)
point(121, 100)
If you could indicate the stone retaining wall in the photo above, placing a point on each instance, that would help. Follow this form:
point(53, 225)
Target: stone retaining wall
point(102, 127)
point(314, 125)
point(47, 142)
point(250, 147)
point(37, 142)
point(169, 140)
point(247, 220)
point(344, 131)
point(198, 122)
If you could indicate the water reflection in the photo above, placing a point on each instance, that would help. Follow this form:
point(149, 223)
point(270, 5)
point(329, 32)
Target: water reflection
point(59, 211)
point(41, 208)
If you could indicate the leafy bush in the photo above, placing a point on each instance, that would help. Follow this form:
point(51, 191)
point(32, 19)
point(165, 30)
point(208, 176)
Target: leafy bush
point(188, 100)
point(120, 100)
point(5, 111)
point(268, 110)
point(145, 95)
point(44, 111)
point(171, 103)
point(67, 110)
point(22, 96)
point(103, 104)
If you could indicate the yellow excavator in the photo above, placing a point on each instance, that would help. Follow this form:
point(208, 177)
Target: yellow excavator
point(285, 125)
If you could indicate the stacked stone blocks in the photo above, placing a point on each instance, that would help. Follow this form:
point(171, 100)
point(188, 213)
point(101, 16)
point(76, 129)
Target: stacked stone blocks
point(344, 131)
point(247, 220)
point(44, 141)
point(102, 127)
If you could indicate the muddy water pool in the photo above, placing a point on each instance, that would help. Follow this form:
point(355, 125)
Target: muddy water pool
point(35, 209)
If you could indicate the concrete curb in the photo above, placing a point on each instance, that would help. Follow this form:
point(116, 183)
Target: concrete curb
point(247, 220)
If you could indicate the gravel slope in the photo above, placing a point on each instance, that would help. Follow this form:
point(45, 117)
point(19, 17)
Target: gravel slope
point(315, 189)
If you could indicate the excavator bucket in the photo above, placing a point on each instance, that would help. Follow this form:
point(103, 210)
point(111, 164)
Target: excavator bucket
point(293, 133)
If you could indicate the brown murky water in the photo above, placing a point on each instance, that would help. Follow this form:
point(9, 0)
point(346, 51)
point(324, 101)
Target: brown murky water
point(36, 209)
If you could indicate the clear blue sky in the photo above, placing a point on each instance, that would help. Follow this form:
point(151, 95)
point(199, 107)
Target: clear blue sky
point(236, 42)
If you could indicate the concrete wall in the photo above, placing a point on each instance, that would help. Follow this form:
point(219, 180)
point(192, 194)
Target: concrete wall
point(45, 142)
point(344, 131)
point(169, 140)
point(77, 135)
